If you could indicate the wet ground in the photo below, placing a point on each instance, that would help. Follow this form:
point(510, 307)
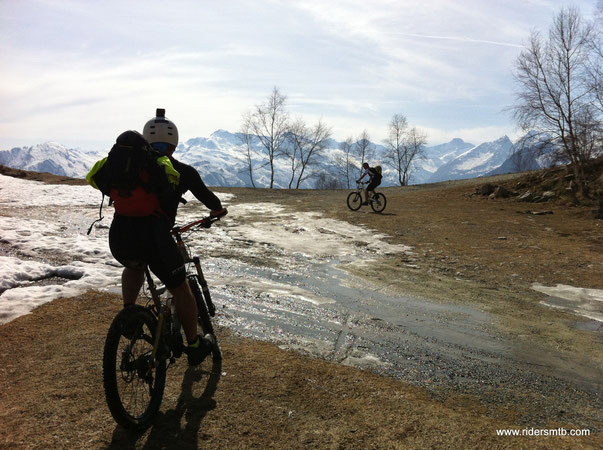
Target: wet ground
point(285, 277)
point(319, 309)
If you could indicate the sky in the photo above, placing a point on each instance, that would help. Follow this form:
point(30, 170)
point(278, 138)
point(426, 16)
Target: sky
point(81, 72)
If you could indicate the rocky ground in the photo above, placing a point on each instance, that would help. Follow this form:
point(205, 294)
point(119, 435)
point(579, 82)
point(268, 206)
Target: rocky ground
point(468, 249)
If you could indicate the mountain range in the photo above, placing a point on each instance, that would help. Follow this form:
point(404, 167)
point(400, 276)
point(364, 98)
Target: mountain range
point(221, 161)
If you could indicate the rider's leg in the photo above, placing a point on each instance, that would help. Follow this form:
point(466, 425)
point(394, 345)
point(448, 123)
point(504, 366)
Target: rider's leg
point(370, 189)
point(186, 308)
point(131, 282)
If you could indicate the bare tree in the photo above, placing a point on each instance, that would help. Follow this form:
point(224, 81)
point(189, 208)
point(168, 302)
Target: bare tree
point(247, 140)
point(557, 96)
point(394, 144)
point(307, 146)
point(524, 149)
point(414, 145)
point(364, 148)
point(403, 148)
point(595, 63)
point(296, 128)
point(269, 121)
point(325, 180)
point(344, 163)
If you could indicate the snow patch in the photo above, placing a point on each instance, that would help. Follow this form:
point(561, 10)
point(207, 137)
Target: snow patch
point(581, 301)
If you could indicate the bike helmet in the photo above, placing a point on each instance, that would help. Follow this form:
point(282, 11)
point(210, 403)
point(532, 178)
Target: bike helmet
point(161, 130)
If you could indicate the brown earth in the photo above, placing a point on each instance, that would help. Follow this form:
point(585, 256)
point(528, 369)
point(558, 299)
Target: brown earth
point(467, 249)
point(264, 397)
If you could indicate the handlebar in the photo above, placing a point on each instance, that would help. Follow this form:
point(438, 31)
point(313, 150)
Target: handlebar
point(206, 222)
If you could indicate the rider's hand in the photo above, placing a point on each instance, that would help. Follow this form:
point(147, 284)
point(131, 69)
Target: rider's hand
point(218, 212)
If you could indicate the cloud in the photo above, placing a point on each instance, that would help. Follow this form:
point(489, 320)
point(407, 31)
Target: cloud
point(73, 70)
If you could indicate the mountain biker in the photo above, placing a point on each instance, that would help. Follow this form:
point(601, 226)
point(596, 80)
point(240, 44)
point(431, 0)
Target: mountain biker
point(136, 242)
point(374, 180)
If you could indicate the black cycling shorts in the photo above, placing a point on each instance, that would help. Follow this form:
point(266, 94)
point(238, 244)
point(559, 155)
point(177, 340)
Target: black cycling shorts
point(140, 241)
point(373, 184)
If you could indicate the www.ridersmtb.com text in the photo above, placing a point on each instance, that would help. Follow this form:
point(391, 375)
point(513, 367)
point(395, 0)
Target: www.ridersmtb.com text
point(543, 432)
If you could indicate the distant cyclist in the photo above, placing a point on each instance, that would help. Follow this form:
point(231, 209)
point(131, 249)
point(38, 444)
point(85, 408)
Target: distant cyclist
point(374, 174)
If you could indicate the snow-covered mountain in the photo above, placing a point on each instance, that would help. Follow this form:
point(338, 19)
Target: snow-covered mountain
point(49, 157)
point(476, 161)
point(221, 161)
point(435, 157)
point(532, 152)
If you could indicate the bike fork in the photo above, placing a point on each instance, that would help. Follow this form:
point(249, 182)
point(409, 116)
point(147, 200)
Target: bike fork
point(204, 287)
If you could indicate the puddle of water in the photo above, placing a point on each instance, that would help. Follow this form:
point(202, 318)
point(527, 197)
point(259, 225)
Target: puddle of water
point(591, 325)
point(314, 305)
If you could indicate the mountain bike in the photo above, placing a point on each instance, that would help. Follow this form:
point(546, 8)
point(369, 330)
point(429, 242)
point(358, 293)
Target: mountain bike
point(144, 341)
point(376, 199)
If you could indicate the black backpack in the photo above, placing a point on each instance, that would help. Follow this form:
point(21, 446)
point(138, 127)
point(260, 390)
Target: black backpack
point(376, 172)
point(139, 179)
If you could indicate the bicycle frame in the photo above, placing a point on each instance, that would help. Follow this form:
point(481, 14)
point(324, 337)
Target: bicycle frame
point(162, 310)
point(177, 233)
point(361, 186)
point(158, 309)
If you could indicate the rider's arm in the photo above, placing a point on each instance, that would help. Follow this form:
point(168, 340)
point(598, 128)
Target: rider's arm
point(191, 181)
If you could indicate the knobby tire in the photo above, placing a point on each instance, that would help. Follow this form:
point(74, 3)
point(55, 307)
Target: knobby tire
point(133, 387)
point(378, 203)
point(354, 201)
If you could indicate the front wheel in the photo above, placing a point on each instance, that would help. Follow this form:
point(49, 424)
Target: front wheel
point(378, 202)
point(354, 201)
point(133, 380)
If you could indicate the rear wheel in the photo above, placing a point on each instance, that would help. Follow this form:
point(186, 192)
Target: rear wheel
point(354, 201)
point(204, 318)
point(133, 380)
point(378, 202)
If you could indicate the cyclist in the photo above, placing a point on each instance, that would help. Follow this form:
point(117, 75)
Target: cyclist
point(374, 180)
point(140, 241)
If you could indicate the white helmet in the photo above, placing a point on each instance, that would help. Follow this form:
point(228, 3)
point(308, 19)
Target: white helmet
point(160, 129)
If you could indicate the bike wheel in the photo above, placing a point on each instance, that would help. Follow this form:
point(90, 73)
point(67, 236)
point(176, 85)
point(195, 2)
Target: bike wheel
point(203, 317)
point(133, 382)
point(354, 201)
point(378, 203)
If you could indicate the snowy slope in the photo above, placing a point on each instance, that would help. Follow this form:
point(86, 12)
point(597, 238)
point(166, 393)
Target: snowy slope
point(436, 156)
point(49, 157)
point(531, 152)
point(475, 162)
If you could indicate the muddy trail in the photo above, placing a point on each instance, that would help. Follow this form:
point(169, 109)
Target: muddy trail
point(293, 284)
point(324, 311)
